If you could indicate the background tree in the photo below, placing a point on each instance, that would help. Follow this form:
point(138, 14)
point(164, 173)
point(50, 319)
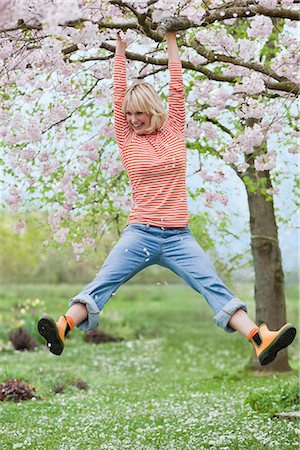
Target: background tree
point(59, 153)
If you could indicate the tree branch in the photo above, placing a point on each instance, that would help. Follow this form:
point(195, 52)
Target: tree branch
point(286, 85)
point(213, 57)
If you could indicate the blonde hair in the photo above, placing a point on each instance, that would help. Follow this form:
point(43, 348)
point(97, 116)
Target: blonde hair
point(142, 96)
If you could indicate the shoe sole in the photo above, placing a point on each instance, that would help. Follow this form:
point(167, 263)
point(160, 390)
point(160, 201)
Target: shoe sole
point(48, 329)
point(284, 339)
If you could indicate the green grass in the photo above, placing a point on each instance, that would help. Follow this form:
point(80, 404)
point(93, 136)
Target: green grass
point(176, 381)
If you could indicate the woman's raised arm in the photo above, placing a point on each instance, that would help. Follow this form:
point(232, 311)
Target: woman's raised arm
point(120, 87)
point(176, 112)
point(120, 46)
point(173, 52)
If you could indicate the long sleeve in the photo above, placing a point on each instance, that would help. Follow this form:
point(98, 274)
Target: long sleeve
point(121, 127)
point(176, 112)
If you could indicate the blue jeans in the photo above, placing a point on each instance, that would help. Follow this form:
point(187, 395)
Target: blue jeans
point(142, 245)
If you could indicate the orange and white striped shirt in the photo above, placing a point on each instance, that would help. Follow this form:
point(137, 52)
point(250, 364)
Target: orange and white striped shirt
point(156, 162)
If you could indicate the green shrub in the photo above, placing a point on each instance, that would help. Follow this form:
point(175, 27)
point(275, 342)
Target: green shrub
point(283, 397)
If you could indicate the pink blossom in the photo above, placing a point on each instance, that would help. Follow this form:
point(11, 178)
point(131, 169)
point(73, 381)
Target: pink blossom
point(209, 130)
point(273, 191)
point(10, 139)
point(116, 168)
point(55, 218)
point(251, 109)
point(25, 169)
point(19, 226)
point(275, 126)
point(192, 129)
point(67, 206)
point(49, 167)
point(43, 156)
point(295, 133)
point(108, 131)
point(260, 26)
point(58, 13)
point(93, 156)
point(230, 156)
point(247, 49)
point(30, 154)
point(251, 85)
point(219, 176)
point(252, 137)
point(4, 5)
point(265, 162)
point(21, 137)
point(78, 248)
point(211, 197)
point(195, 12)
point(84, 171)
point(212, 113)
point(112, 165)
point(14, 200)
point(6, 51)
point(58, 113)
point(90, 242)
point(222, 198)
point(205, 176)
point(67, 178)
point(126, 201)
point(242, 167)
point(141, 6)
point(287, 61)
point(89, 37)
point(34, 133)
point(71, 194)
point(17, 121)
point(60, 235)
point(270, 4)
point(91, 150)
point(197, 59)
point(98, 73)
point(32, 181)
point(6, 10)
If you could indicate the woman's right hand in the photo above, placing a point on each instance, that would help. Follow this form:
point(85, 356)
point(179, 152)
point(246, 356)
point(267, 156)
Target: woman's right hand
point(120, 46)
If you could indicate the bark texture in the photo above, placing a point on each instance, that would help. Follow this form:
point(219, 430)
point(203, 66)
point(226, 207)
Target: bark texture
point(269, 276)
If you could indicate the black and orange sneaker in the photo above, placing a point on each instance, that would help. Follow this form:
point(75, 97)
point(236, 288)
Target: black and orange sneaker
point(268, 343)
point(54, 332)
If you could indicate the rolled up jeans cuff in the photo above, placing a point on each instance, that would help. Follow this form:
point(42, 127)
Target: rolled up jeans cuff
point(92, 319)
point(224, 316)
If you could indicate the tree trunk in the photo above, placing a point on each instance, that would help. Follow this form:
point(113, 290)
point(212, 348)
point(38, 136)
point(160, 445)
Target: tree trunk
point(269, 277)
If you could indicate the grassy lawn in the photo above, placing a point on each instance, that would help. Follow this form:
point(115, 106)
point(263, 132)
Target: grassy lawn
point(176, 381)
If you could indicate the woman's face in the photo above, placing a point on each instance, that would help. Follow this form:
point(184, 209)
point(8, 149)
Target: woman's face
point(139, 121)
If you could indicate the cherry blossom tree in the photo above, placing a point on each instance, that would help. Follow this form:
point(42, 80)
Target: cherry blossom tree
point(58, 151)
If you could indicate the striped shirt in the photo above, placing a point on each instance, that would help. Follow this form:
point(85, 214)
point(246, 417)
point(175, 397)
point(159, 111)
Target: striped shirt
point(156, 162)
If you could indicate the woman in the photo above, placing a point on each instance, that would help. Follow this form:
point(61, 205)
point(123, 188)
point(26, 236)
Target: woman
point(153, 152)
